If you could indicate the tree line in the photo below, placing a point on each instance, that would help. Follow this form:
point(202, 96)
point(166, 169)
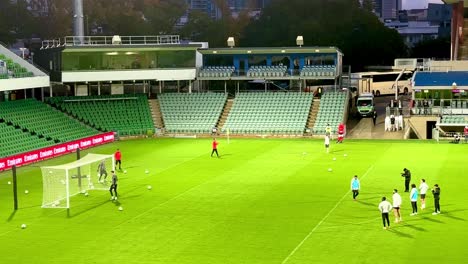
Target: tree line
point(342, 23)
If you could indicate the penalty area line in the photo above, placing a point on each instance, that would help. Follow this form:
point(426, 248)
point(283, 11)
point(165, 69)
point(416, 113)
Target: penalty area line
point(323, 220)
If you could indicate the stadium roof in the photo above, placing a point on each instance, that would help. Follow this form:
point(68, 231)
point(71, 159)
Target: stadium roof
point(269, 50)
point(131, 48)
point(441, 80)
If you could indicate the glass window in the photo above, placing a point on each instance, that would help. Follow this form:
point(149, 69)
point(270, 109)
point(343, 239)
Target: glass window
point(122, 60)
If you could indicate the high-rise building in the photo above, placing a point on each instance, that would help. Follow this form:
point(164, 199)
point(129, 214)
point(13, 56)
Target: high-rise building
point(209, 6)
point(387, 9)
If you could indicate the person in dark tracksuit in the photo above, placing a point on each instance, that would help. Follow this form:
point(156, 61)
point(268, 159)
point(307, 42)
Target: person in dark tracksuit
point(407, 174)
point(436, 193)
point(113, 187)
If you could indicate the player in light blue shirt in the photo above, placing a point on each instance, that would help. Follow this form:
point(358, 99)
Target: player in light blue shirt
point(355, 186)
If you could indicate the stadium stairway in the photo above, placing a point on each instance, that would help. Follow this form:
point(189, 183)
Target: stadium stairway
point(225, 113)
point(313, 113)
point(156, 113)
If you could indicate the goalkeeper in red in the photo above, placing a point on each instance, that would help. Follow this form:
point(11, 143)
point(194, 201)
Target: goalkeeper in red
point(113, 187)
point(214, 145)
point(341, 133)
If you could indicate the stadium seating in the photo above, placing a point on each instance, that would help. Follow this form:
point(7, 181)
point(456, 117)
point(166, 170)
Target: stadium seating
point(217, 71)
point(125, 114)
point(331, 111)
point(318, 71)
point(13, 70)
point(191, 113)
point(269, 113)
point(454, 119)
point(14, 141)
point(267, 71)
point(42, 120)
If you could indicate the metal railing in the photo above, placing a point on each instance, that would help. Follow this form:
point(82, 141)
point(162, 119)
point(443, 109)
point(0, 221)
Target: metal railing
point(440, 107)
point(111, 40)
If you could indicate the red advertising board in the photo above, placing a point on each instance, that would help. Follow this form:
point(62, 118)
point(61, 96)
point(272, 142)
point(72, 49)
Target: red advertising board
point(55, 151)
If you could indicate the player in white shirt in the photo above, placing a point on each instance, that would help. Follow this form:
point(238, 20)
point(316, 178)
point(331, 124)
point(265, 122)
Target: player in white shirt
point(423, 187)
point(385, 207)
point(396, 205)
point(327, 142)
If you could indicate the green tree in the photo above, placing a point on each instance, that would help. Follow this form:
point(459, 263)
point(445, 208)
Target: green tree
point(432, 48)
point(342, 23)
point(368, 5)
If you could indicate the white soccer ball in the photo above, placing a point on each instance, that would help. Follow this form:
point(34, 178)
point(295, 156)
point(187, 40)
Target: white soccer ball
point(9, 182)
point(346, 155)
point(26, 191)
point(149, 187)
point(304, 153)
point(146, 171)
point(63, 182)
point(86, 194)
point(334, 158)
point(125, 171)
point(51, 172)
point(56, 203)
point(120, 208)
point(23, 226)
point(329, 169)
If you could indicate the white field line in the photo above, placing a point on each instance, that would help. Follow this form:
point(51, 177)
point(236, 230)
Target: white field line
point(321, 221)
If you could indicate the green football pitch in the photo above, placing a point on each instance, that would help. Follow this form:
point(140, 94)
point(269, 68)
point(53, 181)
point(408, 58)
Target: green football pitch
point(263, 201)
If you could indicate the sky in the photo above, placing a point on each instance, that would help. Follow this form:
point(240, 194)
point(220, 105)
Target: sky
point(412, 4)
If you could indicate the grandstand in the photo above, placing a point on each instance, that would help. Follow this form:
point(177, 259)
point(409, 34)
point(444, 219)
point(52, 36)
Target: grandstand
point(191, 113)
point(16, 73)
point(42, 120)
point(269, 113)
point(332, 111)
point(12, 69)
point(125, 114)
point(14, 140)
point(267, 71)
point(318, 71)
point(454, 120)
point(216, 71)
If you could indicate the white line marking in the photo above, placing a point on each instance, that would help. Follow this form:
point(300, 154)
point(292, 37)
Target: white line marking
point(323, 220)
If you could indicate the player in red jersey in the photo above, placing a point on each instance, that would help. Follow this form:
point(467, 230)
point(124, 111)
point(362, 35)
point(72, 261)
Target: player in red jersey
point(341, 132)
point(214, 145)
point(118, 159)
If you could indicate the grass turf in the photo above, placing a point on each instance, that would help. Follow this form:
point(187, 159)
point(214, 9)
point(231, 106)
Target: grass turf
point(263, 201)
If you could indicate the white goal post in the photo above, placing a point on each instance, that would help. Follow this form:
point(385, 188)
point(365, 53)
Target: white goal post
point(64, 181)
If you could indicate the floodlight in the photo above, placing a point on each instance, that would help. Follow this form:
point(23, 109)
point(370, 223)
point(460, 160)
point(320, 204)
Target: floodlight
point(231, 42)
point(300, 41)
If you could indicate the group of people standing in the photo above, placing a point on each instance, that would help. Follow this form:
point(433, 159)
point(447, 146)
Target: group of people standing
point(102, 171)
point(385, 206)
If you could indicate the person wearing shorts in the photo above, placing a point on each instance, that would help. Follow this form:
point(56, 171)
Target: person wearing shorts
point(396, 205)
point(423, 187)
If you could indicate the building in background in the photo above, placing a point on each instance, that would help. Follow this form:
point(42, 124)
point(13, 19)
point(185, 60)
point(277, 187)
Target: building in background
point(440, 14)
point(387, 9)
point(414, 31)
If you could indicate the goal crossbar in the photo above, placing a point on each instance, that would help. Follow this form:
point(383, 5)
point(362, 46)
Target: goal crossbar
point(86, 160)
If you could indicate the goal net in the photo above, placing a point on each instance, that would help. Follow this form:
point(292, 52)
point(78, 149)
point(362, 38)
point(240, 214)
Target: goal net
point(64, 181)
